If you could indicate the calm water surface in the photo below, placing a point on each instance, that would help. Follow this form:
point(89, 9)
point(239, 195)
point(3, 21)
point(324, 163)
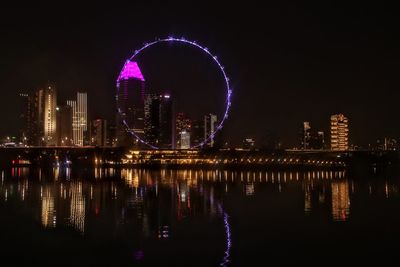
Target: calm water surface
point(108, 217)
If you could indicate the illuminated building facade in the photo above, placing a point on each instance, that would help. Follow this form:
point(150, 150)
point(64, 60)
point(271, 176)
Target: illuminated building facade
point(184, 140)
point(79, 119)
point(130, 104)
point(305, 135)
point(183, 125)
point(45, 103)
point(339, 132)
point(31, 117)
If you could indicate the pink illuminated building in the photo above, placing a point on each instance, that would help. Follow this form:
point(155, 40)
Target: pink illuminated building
point(130, 104)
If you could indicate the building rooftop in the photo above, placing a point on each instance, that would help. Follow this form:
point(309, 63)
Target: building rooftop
point(130, 70)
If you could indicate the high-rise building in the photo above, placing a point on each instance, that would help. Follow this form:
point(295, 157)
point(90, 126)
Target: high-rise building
point(99, 133)
point(31, 118)
point(182, 124)
point(339, 132)
point(64, 125)
point(210, 125)
point(197, 132)
point(79, 119)
point(24, 118)
point(159, 124)
point(72, 104)
point(111, 135)
point(167, 122)
point(130, 104)
point(184, 140)
point(47, 115)
point(305, 135)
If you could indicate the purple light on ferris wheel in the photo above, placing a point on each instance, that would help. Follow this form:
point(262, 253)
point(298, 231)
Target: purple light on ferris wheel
point(139, 75)
point(130, 70)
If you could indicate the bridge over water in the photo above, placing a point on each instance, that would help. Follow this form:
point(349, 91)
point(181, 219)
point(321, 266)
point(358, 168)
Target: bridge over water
point(227, 158)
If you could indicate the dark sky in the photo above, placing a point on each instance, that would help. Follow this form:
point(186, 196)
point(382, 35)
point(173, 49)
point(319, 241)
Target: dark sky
point(288, 62)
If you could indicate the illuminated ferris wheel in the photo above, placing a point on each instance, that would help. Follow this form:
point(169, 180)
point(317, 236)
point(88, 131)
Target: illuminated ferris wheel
point(131, 69)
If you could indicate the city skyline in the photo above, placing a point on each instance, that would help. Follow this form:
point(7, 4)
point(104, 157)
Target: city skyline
point(83, 133)
point(149, 116)
point(183, 128)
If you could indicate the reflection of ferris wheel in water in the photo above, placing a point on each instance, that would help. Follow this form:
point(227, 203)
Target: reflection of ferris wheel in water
point(131, 69)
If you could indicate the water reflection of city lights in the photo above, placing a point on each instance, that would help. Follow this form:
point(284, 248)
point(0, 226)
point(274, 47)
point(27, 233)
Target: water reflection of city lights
point(49, 218)
point(340, 200)
point(162, 200)
point(77, 207)
point(226, 257)
point(163, 232)
point(249, 189)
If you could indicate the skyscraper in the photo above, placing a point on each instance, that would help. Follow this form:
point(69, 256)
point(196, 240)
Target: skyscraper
point(24, 118)
point(31, 122)
point(159, 122)
point(305, 135)
point(99, 132)
point(79, 118)
point(183, 125)
point(64, 125)
point(339, 132)
point(111, 135)
point(184, 140)
point(48, 115)
point(33, 119)
point(210, 125)
point(130, 104)
point(197, 132)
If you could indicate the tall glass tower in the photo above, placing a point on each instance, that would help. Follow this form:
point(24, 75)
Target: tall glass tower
point(159, 123)
point(130, 104)
point(49, 115)
point(79, 118)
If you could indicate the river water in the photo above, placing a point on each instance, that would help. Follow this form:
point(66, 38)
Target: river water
point(129, 217)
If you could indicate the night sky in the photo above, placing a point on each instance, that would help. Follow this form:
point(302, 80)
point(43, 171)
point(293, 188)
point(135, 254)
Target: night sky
point(288, 62)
